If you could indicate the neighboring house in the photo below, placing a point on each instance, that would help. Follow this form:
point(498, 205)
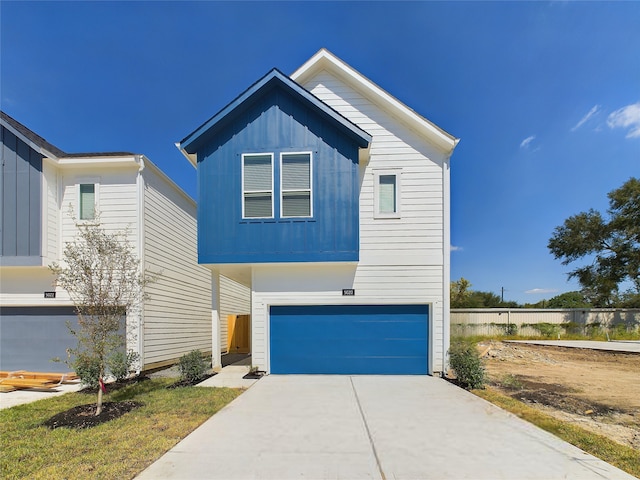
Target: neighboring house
point(329, 199)
point(39, 184)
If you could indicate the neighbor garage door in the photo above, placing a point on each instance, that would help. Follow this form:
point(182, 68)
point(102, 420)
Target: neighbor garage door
point(31, 336)
point(353, 339)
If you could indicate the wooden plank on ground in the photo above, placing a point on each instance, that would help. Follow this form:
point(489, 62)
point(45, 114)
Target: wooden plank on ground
point(28, 383)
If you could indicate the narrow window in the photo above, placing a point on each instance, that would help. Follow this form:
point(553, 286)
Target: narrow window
point(387, 198)
point(87, 201)
point(257, 186)
point(296, 185)
point(387, 194)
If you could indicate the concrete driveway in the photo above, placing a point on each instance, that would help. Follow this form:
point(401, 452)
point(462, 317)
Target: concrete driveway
point(383, 427)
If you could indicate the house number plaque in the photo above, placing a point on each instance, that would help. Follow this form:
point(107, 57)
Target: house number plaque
point(348, 292)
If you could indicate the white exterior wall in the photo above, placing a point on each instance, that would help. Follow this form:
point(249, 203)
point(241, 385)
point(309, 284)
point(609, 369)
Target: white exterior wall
point(177, 314)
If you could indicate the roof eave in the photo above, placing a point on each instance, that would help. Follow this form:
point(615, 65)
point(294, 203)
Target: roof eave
point(188, 144)
point(325, 60)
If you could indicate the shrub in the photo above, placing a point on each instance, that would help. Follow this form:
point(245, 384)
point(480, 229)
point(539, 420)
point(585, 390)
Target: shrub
point(465, 361)
point(547, 330)
point(119, 364)
point(88, 369)
point(192, 366)
point(573, 328)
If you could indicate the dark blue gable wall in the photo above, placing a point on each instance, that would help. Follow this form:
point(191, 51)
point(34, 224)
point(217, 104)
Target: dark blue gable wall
point(276, 123)
point(20, 201)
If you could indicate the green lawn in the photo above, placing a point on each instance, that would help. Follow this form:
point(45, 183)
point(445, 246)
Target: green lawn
point(118, 449)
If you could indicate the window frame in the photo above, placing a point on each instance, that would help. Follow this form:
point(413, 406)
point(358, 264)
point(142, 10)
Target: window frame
point(310, 189)
point(377, 174)
point(96, 198)
point(243, 191)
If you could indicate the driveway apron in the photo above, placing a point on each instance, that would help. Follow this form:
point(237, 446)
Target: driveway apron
point(389, 427)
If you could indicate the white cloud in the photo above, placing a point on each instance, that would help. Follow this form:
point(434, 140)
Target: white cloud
point(584, 119)
point(454, 248)
point(626, 117)
point(537, 291)
point(527, 141)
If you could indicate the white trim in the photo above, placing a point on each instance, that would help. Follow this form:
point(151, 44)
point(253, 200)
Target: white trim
point(377, 173)
point(282, 190)
point(243, 191)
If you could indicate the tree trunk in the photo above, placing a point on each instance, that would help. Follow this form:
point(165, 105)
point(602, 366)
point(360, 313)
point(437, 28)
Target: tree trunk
point(99, 404)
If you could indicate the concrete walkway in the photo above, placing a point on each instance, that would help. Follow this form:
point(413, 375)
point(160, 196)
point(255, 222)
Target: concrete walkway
point(384, 427)
point(20, 397)
point(629, 346)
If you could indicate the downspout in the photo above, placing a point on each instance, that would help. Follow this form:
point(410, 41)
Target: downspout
point(140, 245)
point(446, 251)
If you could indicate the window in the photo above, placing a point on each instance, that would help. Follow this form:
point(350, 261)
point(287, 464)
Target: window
point(87, 204)
point(387, 194)
point(257, 185)
point(295, 176)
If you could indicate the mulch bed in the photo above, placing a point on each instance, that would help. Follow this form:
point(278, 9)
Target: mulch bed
point(190, 383)
point(83, 416)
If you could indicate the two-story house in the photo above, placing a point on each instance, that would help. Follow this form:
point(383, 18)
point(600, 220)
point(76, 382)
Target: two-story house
point(39, 183)
point(329, 199)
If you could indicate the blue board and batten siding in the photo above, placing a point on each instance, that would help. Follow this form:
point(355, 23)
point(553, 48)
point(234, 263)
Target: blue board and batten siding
point(20, 202)
point(276, 121)
point(349, 339)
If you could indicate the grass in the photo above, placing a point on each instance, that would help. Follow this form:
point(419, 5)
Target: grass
point(120, 448)
point(621, 456)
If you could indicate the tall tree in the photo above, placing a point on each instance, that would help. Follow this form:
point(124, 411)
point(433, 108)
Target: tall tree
point(612, 244)
point(102, 275)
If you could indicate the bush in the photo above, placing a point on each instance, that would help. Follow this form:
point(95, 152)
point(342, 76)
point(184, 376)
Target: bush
point(119, 364)
point(88, 369)
point(465, 361)
point(547, 330)
point(192, 366)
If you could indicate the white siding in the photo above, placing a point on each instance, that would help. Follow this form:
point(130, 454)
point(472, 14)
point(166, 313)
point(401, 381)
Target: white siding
point(117, 200)
point(235, 299)
point(50, 213)
point(177, 315)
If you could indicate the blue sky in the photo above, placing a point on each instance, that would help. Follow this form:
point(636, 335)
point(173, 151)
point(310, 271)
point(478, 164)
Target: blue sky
point(545, 97)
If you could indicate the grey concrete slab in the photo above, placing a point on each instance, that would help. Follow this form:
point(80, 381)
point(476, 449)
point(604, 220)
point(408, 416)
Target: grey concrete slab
point(231, 377)
point(282, 427)
point(400, 427)
point(629, 346)
point(20, 397)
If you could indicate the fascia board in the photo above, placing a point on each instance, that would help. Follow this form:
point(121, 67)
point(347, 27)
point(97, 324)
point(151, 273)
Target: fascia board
point(31, 144)
point(324, 60)
point(186, 145)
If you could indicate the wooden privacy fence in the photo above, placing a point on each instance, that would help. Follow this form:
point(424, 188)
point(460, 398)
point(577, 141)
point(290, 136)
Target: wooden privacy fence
point(238, 333)
point(543, 322)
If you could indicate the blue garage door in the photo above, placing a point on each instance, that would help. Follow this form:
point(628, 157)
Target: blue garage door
point(349, 339)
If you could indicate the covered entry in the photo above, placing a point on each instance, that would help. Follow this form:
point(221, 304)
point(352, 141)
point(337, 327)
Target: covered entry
point(349, 339)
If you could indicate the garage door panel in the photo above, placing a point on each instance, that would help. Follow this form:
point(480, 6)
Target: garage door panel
point(353, 339)
point(30, 337)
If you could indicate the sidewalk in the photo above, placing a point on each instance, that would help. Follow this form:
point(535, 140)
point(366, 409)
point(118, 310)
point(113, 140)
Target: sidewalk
point(628, 346)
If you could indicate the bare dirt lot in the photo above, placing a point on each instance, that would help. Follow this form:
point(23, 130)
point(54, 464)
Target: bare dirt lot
point(597, 390)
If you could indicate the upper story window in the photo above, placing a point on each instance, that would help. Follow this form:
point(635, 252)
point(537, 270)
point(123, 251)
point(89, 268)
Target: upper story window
point(87, 201)
point(387, 194)
point(257, 185)
point(296, 194)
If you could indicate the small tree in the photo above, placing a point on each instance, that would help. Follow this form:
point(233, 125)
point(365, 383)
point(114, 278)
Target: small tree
point(102, 275)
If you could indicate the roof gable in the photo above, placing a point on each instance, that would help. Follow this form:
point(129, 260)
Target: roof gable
point(190, 144)
point(325, 60)
point(31, 138)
